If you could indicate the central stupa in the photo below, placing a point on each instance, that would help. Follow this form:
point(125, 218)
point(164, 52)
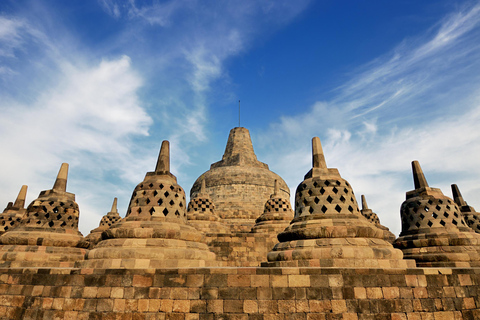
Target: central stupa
point(239, 184)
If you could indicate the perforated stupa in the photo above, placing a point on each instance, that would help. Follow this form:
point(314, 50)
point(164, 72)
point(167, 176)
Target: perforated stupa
point(107, 221)
point(14, 212)
point(471, 217)
point(373, 218)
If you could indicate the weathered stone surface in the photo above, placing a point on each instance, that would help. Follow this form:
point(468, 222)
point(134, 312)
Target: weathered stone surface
point(239, 184)
point(328, 229)
point(373, 218)
point(14, 212)
point(471, 217)
point(154, 233)
point(48, 235)
point(107, 221)
point(433, 230)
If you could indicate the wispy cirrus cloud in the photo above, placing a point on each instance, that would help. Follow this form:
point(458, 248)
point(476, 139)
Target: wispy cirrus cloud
point(419, 102)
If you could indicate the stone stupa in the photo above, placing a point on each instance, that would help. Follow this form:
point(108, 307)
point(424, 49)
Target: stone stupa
point(276, 216)
point(154, 232)
point(328, 229)
point(433, 230)
point(14, 212)
point(48, 235)
point(471, 217)
point(239, 184)
point(202, 216)
point(373, 218)
point(107, 221)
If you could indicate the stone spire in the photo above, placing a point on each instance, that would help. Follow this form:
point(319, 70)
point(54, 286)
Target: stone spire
point(154, 233)
point(433, 230)
point(107, 221)
point(328, 229)
point(48, 232)
point(471, 217)
point(201, 213)
point(14, 212)
point(373, 218)
point(239, 184)
point(276, 216)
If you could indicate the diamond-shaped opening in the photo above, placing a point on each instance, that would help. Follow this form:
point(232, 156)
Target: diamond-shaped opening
point(165, 212)
point(450, 202)
point(329, 199)
point(455, 214)
point(438, 207)
point(327, 183)
point(50, 223)
point(161, 186)
point(63, 224)
point(59, 216)
point(171, 202)
point(136, 201)
point(180, 205)
point(310, 192)
point(446, 215)
point(426, 209)
point(150, 185)
point(435, 215)
point(415, 209)
point(322, 191)
point(176, 195)
point(152, 210)
point(155, 193)
point(139, 210)
point(410, 217)
point(422, 216)
point(35, 214)
point(166, 194)
point(51, 203)
point(417, 224)
point(310, 210)
point(345, 190)
point(172, 187)
point(342, 198)
point(440, 201)
point(350, 208)
point(305, 201)
point(177, 213)
point(315, 184)
point(324, 209)
point(316, 200)
point(44, 209)
point(148, 201)
point(160, 202)
point(335, 190)
point(455, 222)
point(430, 223)
point(338, 208)
point(448, 207)
point(69, 218)
point(141, 186)
point(442, 223)
point(144, 192)
point(430, 201)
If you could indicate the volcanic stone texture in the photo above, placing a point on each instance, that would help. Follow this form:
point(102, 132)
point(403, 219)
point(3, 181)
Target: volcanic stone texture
point(471, 217)
point(48, 235)
point(433, 230)
point(14, 212)
point(154, 233)
point(239, 184)
point(328, 229)
point(373, 218)
point(107, 221)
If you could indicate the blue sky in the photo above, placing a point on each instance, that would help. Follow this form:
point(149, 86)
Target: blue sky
point(99, 84)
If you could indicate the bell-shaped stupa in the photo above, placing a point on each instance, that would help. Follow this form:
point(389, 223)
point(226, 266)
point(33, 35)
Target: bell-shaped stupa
point(471, 217)
point(201, 214)
point(276, 216)
point(433, 230)
point(48, 235)
point(14, 212)
point(239, 184)
point(107, 221)
point(373, 218)
point(154, 233)
point(328, 229)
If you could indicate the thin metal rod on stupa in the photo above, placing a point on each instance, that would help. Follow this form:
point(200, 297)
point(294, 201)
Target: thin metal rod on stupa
point(418, 176)
point(114, 206)
point(318, 158)
point(163, 162)
point(364, 203)
point(20, 201)
point(457, 196)
point(61, 181)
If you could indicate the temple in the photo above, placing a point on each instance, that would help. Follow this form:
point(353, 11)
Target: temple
point(239, 251)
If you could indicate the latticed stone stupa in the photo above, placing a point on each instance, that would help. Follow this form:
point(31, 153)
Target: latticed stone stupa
point(202, 216)
point(154, 233)
point(328, 229)
point(433, 230)
point(471, 217)
point(107, 221)
point(276, 216)
point(239, 184)
point(14, 212)
point(48, 235)
point(373, 218)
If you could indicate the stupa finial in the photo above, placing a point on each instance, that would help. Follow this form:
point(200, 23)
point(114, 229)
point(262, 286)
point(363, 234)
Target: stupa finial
point(203, 187)
point(275, 187)
point(163, 162)
point(318, 157)
point(20, 201)
point(364, 203)
point(457, 196)
point(61, 181)
point(114, 206)
point(418, 176)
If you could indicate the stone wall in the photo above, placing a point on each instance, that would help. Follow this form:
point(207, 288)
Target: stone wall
point(241, 293)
